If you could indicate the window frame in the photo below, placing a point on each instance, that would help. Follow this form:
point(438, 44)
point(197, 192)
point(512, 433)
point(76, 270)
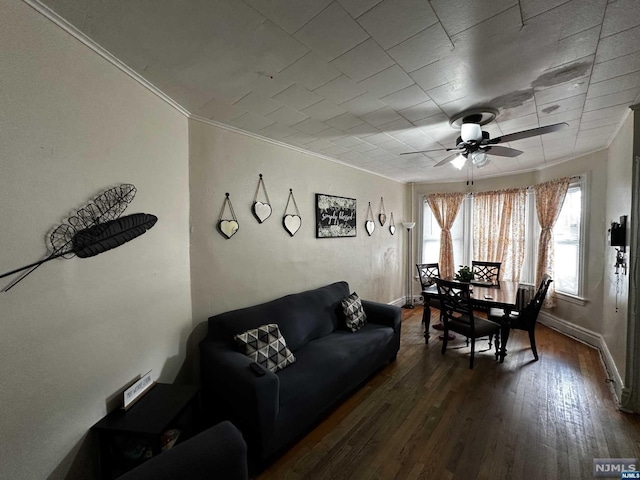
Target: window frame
point(467, 229)
point(578, 298)
point(532, 235)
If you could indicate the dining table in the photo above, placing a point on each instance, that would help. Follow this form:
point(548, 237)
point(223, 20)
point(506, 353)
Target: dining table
point(502, 295)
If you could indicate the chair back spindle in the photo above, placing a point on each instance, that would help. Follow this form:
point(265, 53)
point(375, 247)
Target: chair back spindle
point(486, 271)
point(427, 272)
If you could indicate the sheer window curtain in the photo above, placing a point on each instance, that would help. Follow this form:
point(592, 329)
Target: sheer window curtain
point(445, 208)
point(499, 230)
point(549, 200)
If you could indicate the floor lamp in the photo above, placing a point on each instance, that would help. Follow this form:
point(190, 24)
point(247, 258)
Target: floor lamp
point(409, 290)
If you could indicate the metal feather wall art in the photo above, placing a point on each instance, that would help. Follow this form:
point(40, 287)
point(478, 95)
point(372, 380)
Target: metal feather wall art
point(93, 229)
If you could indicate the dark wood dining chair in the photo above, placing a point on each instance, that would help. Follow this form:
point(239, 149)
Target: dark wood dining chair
point(427, 272)
point(486, 272)
point(457, 315)
point(527, 317)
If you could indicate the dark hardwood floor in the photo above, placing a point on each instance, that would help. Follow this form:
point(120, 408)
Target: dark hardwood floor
point(429, 416)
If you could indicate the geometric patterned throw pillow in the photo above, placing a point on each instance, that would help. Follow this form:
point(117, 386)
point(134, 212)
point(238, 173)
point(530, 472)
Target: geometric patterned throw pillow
point(353, 312)
point(266, 346)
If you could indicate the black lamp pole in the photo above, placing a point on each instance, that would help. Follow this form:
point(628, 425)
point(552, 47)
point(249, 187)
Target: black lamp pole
point(408, 289)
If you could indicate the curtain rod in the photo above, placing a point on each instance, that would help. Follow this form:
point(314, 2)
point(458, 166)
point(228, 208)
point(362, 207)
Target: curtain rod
point(573, 178)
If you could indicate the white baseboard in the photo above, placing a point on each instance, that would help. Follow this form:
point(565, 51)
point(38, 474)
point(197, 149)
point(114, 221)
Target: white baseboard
point(592, 339)
point(399, 302)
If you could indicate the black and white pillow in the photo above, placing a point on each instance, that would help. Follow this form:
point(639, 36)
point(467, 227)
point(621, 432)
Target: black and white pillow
point(355, 318)
point(266, 346)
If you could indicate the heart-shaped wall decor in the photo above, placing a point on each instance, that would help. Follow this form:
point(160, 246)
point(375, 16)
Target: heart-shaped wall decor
point(392, 229)
point(262, 211)
point(370, 226)
point(383, 218)
point(291, 223)
point(228, 228)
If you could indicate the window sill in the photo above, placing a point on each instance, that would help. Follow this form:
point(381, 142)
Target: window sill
point(567, 297)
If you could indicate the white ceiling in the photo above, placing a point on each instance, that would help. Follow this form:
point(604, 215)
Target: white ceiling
point(361, 81)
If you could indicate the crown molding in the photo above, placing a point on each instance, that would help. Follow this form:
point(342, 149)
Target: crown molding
point(286, 145)
point(88, 42)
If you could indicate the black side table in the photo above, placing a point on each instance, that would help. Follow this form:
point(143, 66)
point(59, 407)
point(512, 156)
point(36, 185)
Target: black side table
point(164, 407)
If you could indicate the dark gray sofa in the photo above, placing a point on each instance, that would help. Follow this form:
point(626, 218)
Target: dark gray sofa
point(276, 409)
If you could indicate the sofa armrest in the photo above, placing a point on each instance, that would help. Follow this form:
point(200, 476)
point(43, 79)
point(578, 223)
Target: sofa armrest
point(252, 401)
point(383, 314)
point(219, 452)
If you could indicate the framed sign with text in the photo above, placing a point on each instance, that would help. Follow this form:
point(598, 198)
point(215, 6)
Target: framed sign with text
point(136, 391)
point(335, 216)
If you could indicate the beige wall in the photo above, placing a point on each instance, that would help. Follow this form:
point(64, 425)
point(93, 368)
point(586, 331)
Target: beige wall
point(262, 262)
point(618, 201)
point(76, 331)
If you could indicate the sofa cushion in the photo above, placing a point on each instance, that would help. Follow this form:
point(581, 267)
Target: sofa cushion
point(326, 370)
point(328, 364)
point(266, 346)
point(301, 317)
point(354, 315)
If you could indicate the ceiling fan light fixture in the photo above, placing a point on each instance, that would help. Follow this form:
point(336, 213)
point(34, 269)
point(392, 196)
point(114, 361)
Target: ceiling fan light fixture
point(479, 159)
point(470, 132)
point(481, 116)
point(459, 162)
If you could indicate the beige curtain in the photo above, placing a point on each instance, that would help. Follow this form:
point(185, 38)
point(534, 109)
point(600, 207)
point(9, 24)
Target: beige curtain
point(549, 200)
point(445, 208)
point(499, 229)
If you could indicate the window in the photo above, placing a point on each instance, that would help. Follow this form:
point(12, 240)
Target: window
point(566, 243)
point(431, 236)
point(568, 239)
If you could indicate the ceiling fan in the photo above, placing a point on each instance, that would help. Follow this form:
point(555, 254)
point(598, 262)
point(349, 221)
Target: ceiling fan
point(475, 144)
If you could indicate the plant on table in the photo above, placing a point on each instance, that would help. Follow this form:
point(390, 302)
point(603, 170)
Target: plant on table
point(464, 274)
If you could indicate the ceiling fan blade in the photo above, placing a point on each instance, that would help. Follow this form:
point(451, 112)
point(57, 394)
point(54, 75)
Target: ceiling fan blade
point(424, 151)
point(512, 137)
point(446, 160)
point(502, 151)
point(436, 150)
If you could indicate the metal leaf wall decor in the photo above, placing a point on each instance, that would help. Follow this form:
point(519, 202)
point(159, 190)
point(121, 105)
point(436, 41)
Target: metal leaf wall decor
point(109, 205)
point(106, 236)
point(93, 229)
